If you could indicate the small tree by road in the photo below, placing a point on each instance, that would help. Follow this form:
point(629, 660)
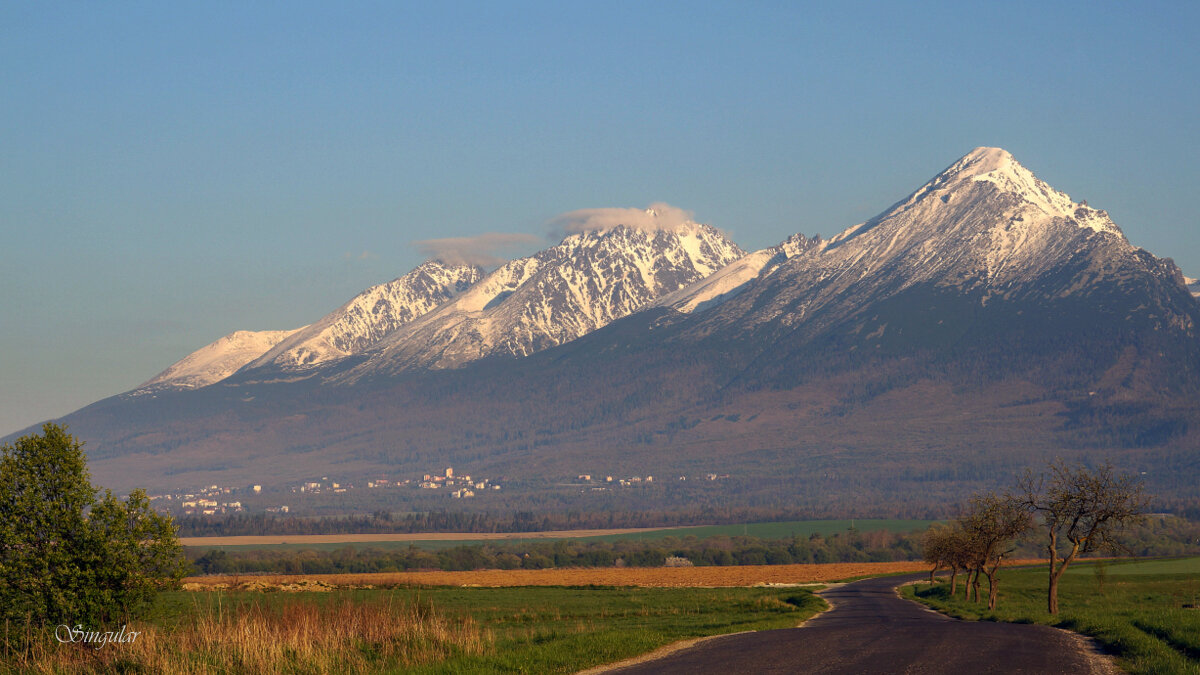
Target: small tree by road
point(1081, 510)
point(67, 556)
point(949, 546)
point(992, 523)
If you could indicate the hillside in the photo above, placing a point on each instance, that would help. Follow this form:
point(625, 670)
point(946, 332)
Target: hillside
point(984, 323)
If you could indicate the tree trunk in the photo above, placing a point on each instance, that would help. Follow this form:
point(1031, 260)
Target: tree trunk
point(993, 585)
point(1056, 574)
point(953, 580)
point(1052, 586)
point(1052, 604)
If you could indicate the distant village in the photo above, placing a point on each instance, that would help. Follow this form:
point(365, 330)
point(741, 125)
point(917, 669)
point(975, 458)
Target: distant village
point(208, 501)
point(597, 484)
point(218, 500)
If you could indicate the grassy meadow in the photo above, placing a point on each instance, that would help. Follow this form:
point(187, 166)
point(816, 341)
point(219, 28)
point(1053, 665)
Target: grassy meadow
point(1144, 612)
point(419, 630)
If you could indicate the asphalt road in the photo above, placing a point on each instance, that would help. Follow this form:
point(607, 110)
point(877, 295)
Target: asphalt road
point(872, 630)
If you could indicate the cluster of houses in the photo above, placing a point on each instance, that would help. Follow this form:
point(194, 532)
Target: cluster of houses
point(608, 482)
point(600, 485)
point(316, 487)
point(465, 484)
point(209, 501)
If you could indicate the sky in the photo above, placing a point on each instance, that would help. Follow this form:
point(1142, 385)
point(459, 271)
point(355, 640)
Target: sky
point(173, 172)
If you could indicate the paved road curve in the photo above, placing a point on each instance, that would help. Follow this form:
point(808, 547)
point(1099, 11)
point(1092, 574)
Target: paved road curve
point(872, 630)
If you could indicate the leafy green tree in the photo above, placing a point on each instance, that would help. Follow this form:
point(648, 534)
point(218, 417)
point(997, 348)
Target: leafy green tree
point(67, 555)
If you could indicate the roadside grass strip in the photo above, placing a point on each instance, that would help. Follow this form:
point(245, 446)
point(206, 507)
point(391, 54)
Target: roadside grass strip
point(420, 630)
point(1143, 612)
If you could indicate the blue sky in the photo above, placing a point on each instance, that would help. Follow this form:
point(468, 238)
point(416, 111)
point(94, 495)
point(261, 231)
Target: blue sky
point(172, 172)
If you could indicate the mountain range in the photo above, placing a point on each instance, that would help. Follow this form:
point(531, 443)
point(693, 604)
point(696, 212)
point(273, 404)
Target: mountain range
point(983, 323)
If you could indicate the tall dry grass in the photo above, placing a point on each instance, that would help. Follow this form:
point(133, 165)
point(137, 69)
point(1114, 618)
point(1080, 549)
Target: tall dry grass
point(299, 637)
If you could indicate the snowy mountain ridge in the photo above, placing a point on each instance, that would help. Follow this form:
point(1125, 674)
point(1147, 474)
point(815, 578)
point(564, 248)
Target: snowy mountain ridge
point(587, 281)
point(985, 226)
point(215, 361)
point(371, 316)
point(984, 223)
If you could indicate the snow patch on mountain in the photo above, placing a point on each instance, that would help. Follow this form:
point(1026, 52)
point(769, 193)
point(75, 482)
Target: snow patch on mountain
point(371, 316)
point(216, 361)
point(728, 281)
point(1193, 285)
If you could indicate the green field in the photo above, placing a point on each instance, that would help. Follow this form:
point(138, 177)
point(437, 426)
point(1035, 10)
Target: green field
point(450, 630)
point(1141, 567)
point(777, 530)
point(1144, 612)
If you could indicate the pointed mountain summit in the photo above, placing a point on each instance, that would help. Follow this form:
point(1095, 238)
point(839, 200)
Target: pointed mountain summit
point(985, 258)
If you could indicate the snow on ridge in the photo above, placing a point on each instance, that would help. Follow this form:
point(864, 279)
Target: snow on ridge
point(999, 168)
point(730, 280)
point(590, 279)
point(372, 315)
point(1193, 285)
point(720, 285)
point(217, 360)
point(985, 213)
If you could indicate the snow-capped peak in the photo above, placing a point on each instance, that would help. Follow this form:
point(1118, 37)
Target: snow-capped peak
point(998, 167)
point(216, 361)
point(984, 215)
point(372, 315)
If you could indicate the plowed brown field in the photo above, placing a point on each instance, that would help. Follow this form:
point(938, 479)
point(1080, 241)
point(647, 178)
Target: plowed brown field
point(749, 575)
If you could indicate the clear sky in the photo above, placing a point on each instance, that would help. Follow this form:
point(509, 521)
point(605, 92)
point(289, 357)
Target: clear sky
point(172, 172)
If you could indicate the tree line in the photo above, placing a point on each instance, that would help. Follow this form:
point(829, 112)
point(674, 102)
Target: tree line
point(386, 522)
point(1076, 509)
point(848, 546)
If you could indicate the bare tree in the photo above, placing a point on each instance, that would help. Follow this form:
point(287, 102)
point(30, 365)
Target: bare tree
point(992, 523)
point(936, 547)
point(948, 546)
point(1080, 508)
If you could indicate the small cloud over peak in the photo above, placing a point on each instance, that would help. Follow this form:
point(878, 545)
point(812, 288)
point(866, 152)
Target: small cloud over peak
point(658, 216)
point(483, 250)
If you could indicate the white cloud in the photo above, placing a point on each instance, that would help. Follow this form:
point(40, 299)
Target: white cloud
point(658, 216)
point(482, 249)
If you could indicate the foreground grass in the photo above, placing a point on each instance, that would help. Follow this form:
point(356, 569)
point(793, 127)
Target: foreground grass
point(430, 630)
point(1138, 611)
